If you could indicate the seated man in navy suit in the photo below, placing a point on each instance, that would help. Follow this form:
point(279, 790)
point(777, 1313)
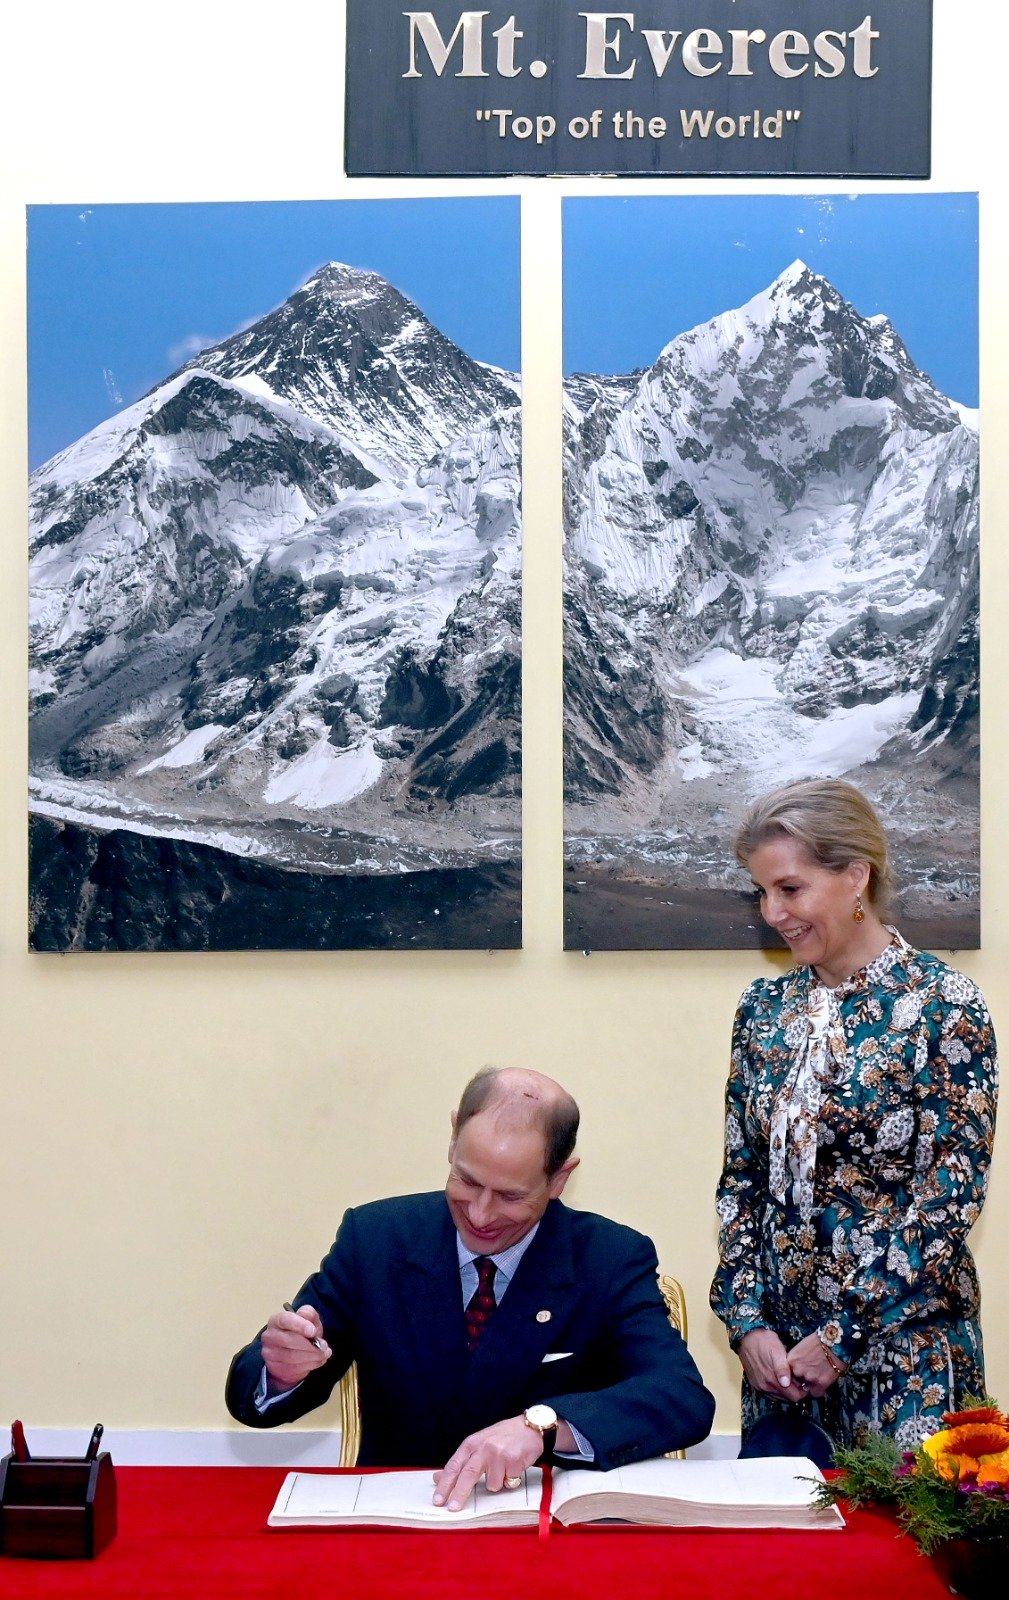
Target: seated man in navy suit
point(492, 1326)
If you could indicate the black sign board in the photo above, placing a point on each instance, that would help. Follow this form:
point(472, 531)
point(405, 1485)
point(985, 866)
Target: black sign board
point(771, 87)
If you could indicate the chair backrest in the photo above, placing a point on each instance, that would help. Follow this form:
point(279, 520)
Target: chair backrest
point(671, 1290)
point(350, 1414)
point(350, 1417)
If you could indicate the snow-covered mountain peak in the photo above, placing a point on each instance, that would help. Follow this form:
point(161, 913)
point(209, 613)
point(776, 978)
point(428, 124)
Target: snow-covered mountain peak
point(337, 309)
point(793, 298)
point(338, 278)
point(798, 294)
point(793, 274)
point(798, 348)
point(353, 297)
point(350, 350)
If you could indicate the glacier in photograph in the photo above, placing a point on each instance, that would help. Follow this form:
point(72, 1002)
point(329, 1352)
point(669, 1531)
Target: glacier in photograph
point(275, 646)
point(771, 573)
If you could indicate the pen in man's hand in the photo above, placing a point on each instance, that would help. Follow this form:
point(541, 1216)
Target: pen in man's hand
point(93, 1442)
point(313, 1339)
point(19, 1444)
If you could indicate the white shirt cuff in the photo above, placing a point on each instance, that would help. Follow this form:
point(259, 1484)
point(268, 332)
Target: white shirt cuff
point(585, 1450)
point(263, 1399)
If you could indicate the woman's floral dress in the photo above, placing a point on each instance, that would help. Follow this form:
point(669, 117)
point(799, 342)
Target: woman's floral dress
point(858, 1134)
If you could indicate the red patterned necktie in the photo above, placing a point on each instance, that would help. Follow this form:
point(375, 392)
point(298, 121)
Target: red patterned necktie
point(483, 1305)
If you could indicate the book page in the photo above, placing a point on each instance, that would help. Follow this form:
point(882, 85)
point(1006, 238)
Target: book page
point(394, 1496)
point(408, 1494)
point(772, 1481)
point(317, 1494)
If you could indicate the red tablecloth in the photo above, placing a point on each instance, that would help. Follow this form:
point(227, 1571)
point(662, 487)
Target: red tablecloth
point(200, 1532)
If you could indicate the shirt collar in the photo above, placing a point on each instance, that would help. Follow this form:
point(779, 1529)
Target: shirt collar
point(506, 1261)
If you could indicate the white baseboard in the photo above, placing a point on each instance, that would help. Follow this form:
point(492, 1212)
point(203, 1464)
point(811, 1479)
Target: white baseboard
point(248, 1447)
point(716, 1447)
point(199, 1447)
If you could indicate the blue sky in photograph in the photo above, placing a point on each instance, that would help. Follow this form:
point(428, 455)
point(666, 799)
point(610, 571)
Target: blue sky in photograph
point(119, 296)
point(640, 270)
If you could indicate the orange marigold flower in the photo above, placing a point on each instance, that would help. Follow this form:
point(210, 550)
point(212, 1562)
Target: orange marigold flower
point(980, 1439)
point(954, 1419)
point(994, 1469)
point(967, 1443)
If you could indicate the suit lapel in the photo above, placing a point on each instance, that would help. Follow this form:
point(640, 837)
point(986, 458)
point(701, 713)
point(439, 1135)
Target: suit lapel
point(431, 1311)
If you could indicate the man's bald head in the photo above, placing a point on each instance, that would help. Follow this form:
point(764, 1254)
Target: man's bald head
point(519, 1097)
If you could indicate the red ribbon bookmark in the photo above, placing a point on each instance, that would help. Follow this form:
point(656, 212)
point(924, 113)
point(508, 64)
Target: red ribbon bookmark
point(546, 1495)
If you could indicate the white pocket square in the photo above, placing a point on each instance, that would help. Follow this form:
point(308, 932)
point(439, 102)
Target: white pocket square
point(558, 1355)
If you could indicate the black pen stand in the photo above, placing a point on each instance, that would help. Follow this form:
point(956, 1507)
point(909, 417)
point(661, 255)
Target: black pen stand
point(55, 1506)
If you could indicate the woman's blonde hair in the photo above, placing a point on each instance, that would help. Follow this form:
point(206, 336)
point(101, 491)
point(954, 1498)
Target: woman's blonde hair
point(832, 820)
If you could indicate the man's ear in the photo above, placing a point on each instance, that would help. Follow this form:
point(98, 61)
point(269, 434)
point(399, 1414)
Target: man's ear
point(451, 1142)
point(561, 1177)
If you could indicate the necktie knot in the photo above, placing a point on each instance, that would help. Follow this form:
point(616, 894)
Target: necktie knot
point(483, 1304)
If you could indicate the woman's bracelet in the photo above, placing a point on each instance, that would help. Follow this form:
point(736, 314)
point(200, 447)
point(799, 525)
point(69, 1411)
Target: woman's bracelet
point(834, 1364)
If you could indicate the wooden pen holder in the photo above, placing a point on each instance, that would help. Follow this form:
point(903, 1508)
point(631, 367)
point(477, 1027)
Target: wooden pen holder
point(57, 1506)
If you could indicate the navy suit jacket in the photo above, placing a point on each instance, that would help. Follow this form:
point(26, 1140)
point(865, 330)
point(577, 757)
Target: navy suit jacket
point(390, 1299)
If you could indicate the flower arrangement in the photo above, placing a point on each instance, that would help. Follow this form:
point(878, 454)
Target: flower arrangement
point(954, 1486)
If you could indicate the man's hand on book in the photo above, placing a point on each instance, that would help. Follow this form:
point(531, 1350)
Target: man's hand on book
point(496, 1453)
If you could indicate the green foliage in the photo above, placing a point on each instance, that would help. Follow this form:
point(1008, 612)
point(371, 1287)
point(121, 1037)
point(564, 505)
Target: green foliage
point(932, 1509)
point(869, 1473)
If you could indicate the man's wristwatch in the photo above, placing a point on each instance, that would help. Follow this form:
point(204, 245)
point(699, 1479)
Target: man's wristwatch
point(544, 1419)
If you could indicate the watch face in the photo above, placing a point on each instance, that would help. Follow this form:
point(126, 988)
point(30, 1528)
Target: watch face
point(541, 1417)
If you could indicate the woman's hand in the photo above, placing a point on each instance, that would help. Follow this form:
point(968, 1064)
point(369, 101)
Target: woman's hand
point(812, 1368)
point(767, 1365)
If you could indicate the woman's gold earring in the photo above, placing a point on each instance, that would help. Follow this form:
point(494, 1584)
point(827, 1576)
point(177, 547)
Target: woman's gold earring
point(858, 915)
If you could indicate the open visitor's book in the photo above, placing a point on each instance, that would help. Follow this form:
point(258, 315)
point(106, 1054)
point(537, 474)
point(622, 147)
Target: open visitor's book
point(772, 1492)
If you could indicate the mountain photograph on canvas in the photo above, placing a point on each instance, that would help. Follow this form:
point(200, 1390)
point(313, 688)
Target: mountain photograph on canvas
point(771, 548)
point(275, 576)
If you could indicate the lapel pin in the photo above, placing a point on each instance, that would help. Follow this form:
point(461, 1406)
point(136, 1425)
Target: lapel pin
point(543, 1316)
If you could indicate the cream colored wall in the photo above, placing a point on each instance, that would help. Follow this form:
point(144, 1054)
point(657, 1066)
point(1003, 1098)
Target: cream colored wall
point(180, 1133)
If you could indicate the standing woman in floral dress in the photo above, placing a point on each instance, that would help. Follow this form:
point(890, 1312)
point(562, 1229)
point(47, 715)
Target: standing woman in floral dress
point(860, 1112)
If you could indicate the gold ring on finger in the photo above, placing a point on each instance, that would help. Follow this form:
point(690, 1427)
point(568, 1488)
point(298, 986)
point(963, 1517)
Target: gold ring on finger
point(513, 1483)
